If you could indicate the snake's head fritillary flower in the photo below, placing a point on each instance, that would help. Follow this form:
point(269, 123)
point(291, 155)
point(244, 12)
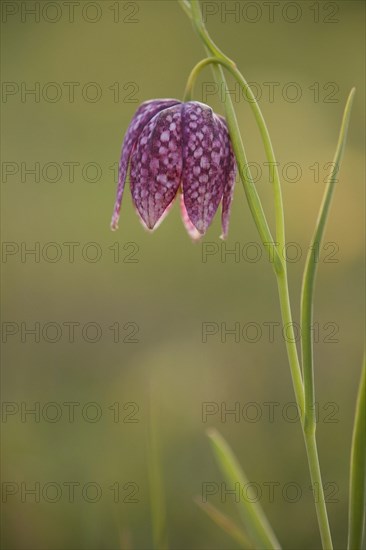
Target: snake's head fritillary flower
point(174, 147)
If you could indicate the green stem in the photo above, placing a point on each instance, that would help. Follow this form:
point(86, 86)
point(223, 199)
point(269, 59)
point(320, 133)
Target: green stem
point(264, 231)
point(202, 31)
point(290, 337)
point(249, 186)
point(254, 105)
point(357, 498)
point(257, 210)
point(279, 265)
point(254, 202)
point(318, 491)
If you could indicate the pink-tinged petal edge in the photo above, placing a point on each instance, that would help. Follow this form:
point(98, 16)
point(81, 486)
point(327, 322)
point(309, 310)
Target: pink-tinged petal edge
point(191, 229)
point(143, 115)
point(160, 220)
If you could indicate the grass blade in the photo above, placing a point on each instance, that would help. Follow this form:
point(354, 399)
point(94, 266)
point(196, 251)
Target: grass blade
point(254, 519)
point(226, 523)
point(357, 500)
point(307, 293)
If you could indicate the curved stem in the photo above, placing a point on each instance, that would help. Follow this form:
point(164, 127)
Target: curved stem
point(202, 31)
point(257, 211)
point(188, 93)
point(318, 491)
point(280, 268)
point(254, 105)
point(290, 338)
point(254, 202)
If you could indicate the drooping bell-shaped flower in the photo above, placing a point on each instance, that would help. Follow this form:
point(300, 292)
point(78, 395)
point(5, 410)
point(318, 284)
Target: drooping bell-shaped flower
point(174, 147)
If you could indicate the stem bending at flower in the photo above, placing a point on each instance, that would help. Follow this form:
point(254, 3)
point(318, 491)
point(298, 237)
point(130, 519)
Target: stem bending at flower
point(232, 68)
point(250, 189)
point(238, 147)
point(256, 206)
point(220, 61)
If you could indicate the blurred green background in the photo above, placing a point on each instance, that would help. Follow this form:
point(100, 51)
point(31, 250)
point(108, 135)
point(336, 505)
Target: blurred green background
point(145, 50)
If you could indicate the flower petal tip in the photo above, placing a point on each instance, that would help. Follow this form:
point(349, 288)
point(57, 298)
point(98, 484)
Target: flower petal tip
point(195, 236)
point(114, 223)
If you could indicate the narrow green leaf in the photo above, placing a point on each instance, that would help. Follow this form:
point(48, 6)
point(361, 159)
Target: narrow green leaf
point(254, 519)
point(357, 498)
point(226, 523)
point(307, 293)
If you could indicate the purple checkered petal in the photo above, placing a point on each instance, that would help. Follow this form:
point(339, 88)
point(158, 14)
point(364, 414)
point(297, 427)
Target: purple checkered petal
point(143, 115)
point(156, 165)
point(229, 183)
point(204, 163)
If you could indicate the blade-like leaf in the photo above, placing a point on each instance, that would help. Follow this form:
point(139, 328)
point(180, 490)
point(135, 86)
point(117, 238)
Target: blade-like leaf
point(357, 498)
point(254, 519)
point(307, 293)
point(226, 523)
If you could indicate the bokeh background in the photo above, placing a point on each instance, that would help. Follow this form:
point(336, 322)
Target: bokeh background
point(159, 292)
